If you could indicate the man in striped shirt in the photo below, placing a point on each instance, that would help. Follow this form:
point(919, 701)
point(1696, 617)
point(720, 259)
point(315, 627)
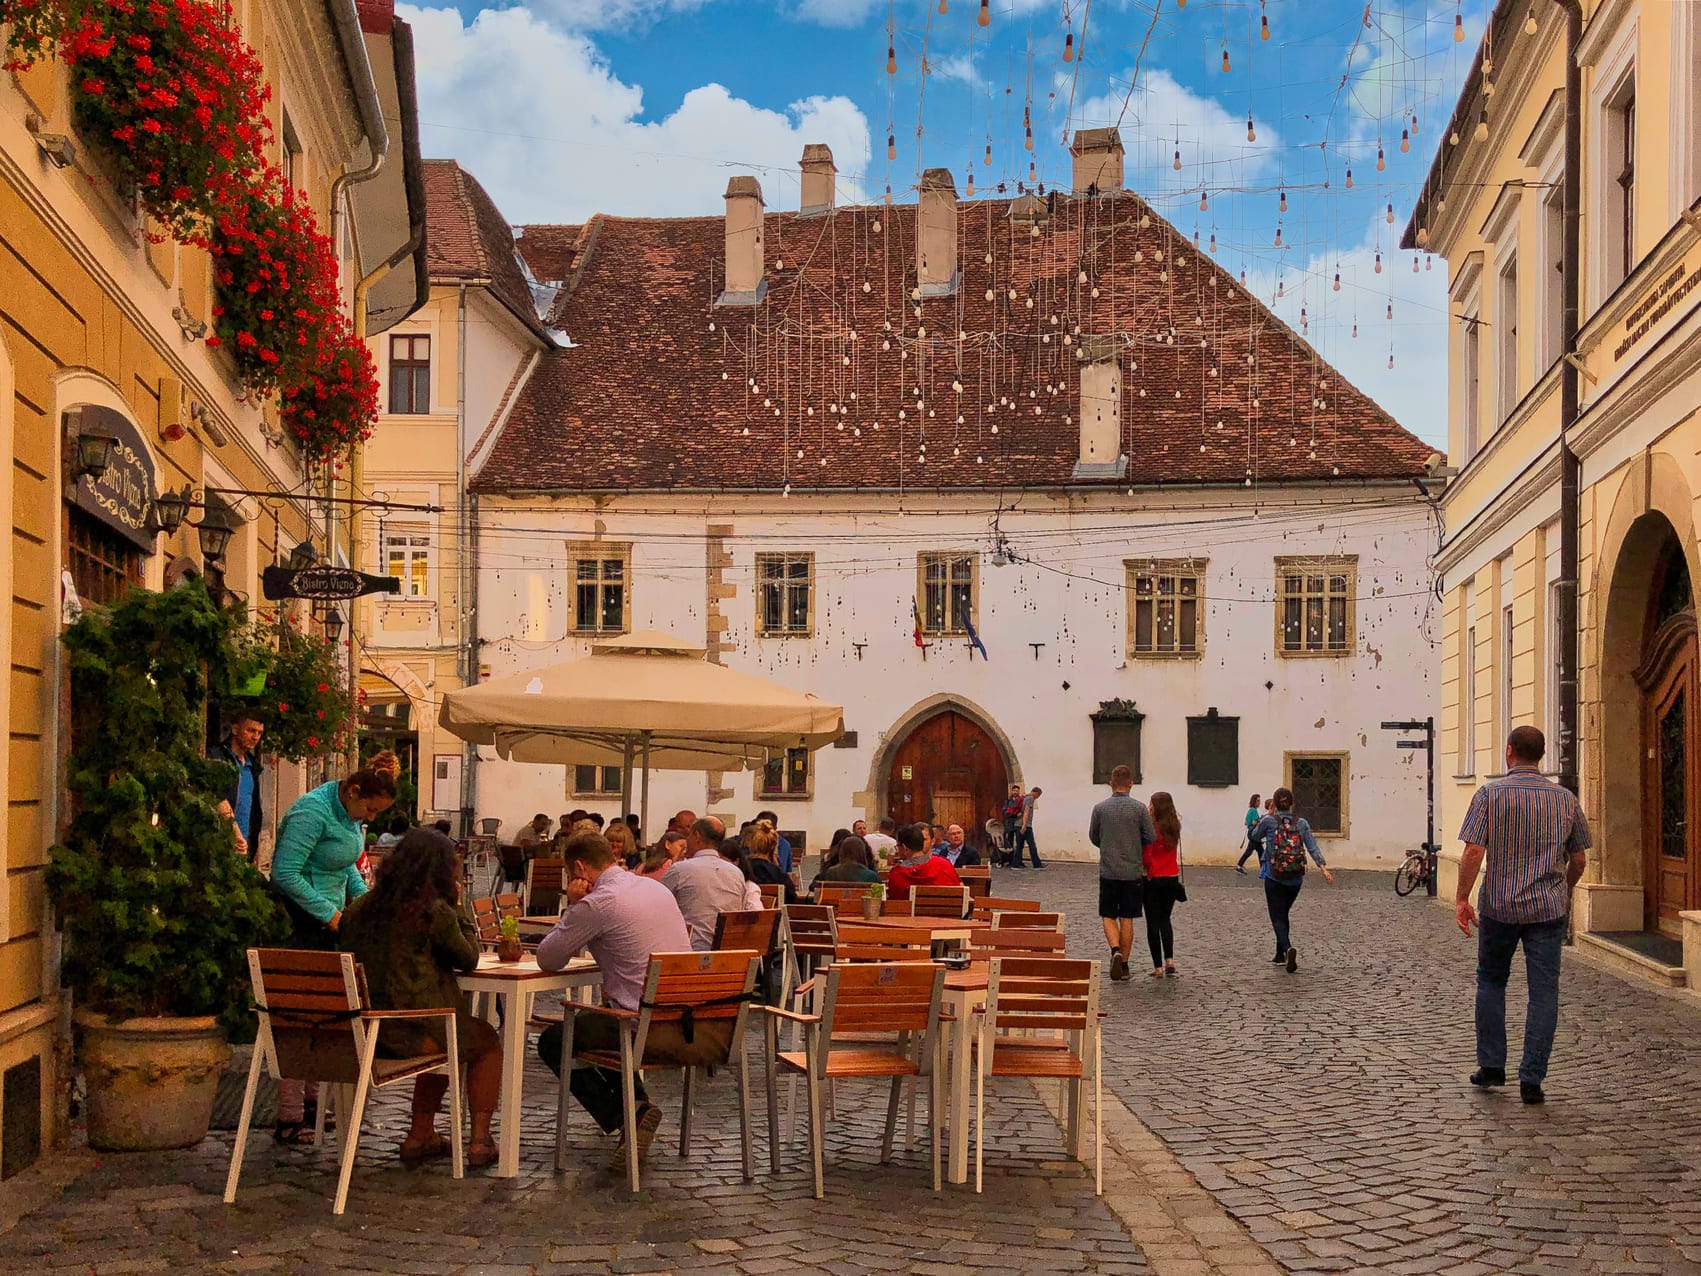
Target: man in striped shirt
point(1528, 837)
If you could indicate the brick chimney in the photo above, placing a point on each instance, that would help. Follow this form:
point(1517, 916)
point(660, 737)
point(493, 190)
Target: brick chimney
point(936, 234)
point(1101, 408)
point(818, 180)
point(744, 282)
point(1098, 160)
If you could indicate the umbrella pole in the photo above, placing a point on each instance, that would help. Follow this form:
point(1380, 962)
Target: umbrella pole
point(626, 780)
point(644, 801)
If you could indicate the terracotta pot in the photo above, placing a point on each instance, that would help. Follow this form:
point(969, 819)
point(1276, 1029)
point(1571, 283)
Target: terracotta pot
point(151, 1082)
point(871, 910)
point(510, 950)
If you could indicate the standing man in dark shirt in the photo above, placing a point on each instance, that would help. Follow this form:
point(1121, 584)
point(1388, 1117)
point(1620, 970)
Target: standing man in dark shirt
point(1122, 829)
point(241, 805)
point(1529, 839)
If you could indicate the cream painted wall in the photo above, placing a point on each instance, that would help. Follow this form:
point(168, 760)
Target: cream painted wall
point(865, 562)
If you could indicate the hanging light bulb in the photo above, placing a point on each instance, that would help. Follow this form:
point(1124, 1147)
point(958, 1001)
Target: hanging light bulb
point(985, 17)
point(1282, 202)
point(1251, 133)
point(1177, 164)
point(1390, 214)
point(1379, 263)
point(1453, 138)
point(1281, 288)
point(1482, 125)
point(1458, 27)
point(1390, 358)
point(891, 146)
point(888, 201)
point(1530, 26)
point(1213, 241)
point(971, 190)
point(1390, 310)
point(1033, 177)
point(1196, 239)
point(942, 8)
point(891, 59)
point(989, 154)
point(1263, 27)
point(1337, 281)
point(1355, 330)
point(1201, 201)
point(1304, 322)
point(1414, 264)
point(1028, 139)
point(1381, 160)
point(1414, 124)
point(1405, 141)
point(1278, 234)
point(1349, 179)
point(1225, 60)
point(1069, 46)
point(1428, 262)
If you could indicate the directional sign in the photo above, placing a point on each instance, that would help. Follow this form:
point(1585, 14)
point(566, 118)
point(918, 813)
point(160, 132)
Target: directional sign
point(1411, 744)
point(324, 584)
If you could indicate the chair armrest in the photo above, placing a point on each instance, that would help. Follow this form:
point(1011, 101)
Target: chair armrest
point(793, 1015)
point(407, 1014)
point(612, 1012)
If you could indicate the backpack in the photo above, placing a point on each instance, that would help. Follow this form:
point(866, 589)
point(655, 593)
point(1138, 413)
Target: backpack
point(1013, 808)
point(1287, 849)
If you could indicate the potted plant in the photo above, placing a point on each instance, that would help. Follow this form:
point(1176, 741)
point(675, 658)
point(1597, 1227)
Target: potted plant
point(508, 946)
point(157, 908)
point(872, 901)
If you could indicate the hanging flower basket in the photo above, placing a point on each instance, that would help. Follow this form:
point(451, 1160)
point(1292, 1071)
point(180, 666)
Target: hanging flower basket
point(303, 700)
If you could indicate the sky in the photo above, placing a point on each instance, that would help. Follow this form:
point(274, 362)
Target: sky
point(564, 108)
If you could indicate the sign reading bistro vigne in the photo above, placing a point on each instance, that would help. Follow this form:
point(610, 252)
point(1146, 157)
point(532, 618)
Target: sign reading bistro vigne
point(121, 496)
point(325, 584)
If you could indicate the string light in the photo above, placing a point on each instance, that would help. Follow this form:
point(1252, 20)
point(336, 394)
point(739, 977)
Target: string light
point(1201, 201)
point(1390, 213)
point(1069, 46)
point(1349, 179)
point(1177, 164)
point(971, 185)
point(1263, 27)
point(1458, 27)
point(1278, 234)
point(1225, 60)
point(1337, 281)
point(1405, 141)
point(1379, 263)
point(1530, 26)
point(1251, 133)
point(1282, 202)
point(891, 145)
point(891, 59)
point(1381, 160)
point(985, 18)
point(1482, 125)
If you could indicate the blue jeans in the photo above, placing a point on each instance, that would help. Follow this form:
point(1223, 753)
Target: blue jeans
point(1024, 840)
point(1496, 942)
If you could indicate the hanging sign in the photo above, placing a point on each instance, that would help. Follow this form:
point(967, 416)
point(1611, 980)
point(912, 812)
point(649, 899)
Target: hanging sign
point(324, 584)
point(122, 495)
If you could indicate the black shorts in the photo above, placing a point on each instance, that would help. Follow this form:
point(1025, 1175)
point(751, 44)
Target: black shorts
point(1120, 899)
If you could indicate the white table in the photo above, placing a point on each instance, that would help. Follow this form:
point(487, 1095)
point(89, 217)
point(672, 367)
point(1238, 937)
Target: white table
point(515, 983)
point(965, 992)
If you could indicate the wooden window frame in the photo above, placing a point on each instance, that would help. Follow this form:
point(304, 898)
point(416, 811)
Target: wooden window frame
point(600, 551)
point(947, 629)
point(806, 793)
point(412, 366)
point(411, 533)
point(1344, 757)
point(786, 584)
point(117, 564)
point(600, 792)
point(1325, 565)
point(1158, 570)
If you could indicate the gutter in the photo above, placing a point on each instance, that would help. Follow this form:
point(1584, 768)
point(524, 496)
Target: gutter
point(353, 41)
point(1397, 481)
point(1570, 467)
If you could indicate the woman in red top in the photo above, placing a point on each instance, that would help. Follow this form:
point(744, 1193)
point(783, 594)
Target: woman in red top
point(1163, 884)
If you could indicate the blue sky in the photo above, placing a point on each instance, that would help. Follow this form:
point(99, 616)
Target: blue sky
point(563, 108)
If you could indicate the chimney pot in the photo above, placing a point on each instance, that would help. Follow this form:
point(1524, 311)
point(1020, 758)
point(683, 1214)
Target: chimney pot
point(819, 180)
point(936, 234)
point(1098, 161)
point(744, 279)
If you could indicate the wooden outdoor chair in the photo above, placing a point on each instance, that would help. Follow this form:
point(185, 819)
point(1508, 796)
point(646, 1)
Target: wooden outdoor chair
point(1026, 919)
point(488, 921)
point(812, 932)
point(510, 905)
point(984, 944)
point(545, 882)
point(316, 1025)
point(844, 898)
point(978, 879)
point(687, 990)
point(896, 1000)
point(940, 901)
point(772, 894)
point(897, 908)
point(761, 932)
point(989, 904)
point(881, 943)
point(1032, 1007)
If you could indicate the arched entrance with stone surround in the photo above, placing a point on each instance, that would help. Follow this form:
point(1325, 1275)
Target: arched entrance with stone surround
point(944, 761)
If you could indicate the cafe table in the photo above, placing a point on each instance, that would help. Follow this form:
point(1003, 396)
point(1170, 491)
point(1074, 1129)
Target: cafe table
point(956, 929)
point(965, 993)
point(516, 983)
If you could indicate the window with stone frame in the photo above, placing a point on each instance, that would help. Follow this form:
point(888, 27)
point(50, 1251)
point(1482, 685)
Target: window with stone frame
point(599, 576)
point(596, 781)
point(786, 773)
point(1165, 612)
point(785, 595)
point(1319, 785)
point(1315, 600)
point(407, 556)
point(949, 590)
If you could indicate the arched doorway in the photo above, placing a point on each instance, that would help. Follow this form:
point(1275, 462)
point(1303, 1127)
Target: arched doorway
point(946, 769)
point(1670, 738)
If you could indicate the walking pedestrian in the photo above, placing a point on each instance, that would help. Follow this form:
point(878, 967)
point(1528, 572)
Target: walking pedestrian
point(1252, 818)
point(1011, 813)
point(1529, 839)
point(1025, 834)
point(1121, 828)
point(1163, 884)
point(1285, 839)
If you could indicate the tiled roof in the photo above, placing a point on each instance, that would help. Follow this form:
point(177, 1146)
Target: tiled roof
point(466, 238)
point(656, 390)
point(549, 251)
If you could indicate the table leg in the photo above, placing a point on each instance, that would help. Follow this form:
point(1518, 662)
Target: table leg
point(513, 1074)
point(959, 1097)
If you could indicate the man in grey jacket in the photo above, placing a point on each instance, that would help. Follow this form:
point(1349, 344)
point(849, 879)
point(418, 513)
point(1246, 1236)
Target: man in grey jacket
point(1122, 829)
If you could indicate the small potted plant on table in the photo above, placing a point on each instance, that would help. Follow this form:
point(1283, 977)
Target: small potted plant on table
point(872, 901)
point(508, 946)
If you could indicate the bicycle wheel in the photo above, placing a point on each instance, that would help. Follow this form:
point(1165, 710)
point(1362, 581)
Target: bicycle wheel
point(1410, 876)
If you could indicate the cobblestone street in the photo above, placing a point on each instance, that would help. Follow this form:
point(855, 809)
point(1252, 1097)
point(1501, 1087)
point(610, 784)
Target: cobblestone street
point(1328, 1110)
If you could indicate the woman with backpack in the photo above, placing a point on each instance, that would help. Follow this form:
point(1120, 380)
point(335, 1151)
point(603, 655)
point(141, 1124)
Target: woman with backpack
point(1284, 840)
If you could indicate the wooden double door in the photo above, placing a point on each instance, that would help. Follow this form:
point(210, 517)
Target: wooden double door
point(948, 770)
point(1671, 769)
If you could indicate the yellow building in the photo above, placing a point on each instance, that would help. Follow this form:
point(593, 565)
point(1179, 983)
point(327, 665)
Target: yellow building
point(101, 324)
point(449, 375)
point(1567, 209)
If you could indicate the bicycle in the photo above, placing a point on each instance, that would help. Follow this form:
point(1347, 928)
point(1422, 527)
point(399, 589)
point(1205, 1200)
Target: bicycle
point(1413, 873)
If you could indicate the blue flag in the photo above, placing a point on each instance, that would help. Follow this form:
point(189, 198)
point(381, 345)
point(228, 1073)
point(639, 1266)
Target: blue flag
point(974, 640)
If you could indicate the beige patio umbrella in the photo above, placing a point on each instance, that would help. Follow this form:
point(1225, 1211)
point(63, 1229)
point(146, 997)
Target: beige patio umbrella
point(648, 700)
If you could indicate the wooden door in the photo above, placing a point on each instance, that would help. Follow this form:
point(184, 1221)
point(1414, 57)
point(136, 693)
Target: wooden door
point(1670, 873)
point(948, 770)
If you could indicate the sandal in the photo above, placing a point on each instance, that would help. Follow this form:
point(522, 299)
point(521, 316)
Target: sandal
point(293, 1133)
point(425, 1150)
point(480, 1155)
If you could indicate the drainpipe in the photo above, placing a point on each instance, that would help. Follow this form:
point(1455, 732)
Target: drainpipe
point(1570, 498)
point(468, 540)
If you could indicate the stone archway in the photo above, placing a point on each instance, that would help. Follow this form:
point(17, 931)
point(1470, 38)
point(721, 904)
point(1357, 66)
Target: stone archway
point(953, 719)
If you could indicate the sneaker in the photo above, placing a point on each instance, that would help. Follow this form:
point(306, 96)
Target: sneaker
point(1118, 965)
point(1042, 866)
point(1488, 1077)
point(1292, 960)
point(649, 1121)
point(1278, 959)
point(1240, 870)
point(1531, 1093)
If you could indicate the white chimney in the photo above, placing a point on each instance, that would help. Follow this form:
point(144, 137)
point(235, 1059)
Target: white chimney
point(1101, 409)
point(818, 180)
point(1098, 161)
point(936, 234)
point(744, 282)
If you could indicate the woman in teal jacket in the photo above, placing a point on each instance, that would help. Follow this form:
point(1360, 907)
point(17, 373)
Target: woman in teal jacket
point(314, 876)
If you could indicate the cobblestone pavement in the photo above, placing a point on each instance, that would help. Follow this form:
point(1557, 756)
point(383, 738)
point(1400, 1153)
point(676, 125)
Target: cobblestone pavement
point(163, 1212)
point(1328, 1110)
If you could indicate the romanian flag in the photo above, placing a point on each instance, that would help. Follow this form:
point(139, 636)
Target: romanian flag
point(916, 608)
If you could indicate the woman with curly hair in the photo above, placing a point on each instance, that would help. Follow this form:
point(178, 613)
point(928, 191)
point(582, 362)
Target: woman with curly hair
point(411, 937)
point(763, 844)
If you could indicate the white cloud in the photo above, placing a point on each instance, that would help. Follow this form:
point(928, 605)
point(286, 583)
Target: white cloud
point(538, 115)
point(1164, 116)
point(835, 13)
point(612, 15)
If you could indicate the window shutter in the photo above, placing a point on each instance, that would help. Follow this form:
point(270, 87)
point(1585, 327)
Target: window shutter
point(1213, 751)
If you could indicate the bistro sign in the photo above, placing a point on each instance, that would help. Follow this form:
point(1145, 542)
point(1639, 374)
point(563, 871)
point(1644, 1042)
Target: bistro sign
point(123, 493)
point(324, 584)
